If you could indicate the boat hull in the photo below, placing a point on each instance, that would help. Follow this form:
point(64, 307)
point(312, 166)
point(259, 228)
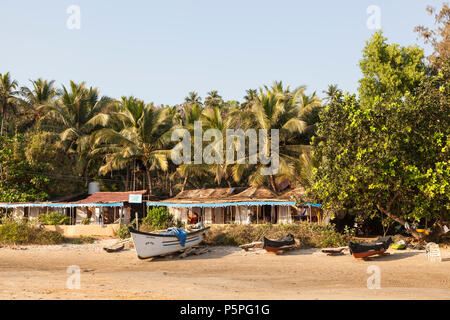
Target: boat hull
point(364, 250)
point(150, 245)
point(279, 245)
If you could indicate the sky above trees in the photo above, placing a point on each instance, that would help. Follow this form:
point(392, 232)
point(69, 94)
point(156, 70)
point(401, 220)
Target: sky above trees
point(160, 51)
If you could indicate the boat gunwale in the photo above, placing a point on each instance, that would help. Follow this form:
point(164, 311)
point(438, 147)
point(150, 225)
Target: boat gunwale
point(132, 230)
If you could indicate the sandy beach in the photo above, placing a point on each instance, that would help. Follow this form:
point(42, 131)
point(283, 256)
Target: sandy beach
point(40, 272)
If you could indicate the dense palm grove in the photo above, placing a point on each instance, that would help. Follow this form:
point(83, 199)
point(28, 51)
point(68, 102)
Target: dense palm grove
point(384, 151)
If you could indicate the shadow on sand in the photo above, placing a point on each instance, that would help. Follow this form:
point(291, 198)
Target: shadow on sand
point(213, 253)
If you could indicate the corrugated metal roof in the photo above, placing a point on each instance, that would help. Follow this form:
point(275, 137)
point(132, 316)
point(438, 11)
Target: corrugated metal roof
point(110, 197)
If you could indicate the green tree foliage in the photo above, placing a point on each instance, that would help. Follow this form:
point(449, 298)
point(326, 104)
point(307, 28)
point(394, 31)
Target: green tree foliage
point(389, 70)
point(389, 152)
point(20, 180)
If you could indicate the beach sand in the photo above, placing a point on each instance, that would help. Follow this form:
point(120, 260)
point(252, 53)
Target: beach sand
point(40, 272)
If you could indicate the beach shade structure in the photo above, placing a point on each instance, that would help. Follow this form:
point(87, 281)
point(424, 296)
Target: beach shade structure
point(229, 205)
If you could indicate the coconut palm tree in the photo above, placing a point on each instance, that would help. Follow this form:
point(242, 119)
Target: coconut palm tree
point(76, 114)
point(193, 98)
point(41, 93)
point(137, 132)
point(332, 93)
point(287, 111)
point(8, 97)
point(213, 99)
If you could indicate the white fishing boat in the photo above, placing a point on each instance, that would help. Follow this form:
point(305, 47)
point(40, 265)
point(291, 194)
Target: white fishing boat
point(149, 245)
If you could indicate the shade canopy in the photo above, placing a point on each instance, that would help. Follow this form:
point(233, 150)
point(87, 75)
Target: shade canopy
point(220, 204)
point(59, 205)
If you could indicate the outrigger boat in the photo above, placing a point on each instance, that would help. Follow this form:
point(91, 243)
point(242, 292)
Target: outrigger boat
point(149, 245)
point(364, 250)
point(285, 243)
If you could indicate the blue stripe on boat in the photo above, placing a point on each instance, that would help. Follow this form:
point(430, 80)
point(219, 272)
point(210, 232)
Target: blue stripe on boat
point(179, 243)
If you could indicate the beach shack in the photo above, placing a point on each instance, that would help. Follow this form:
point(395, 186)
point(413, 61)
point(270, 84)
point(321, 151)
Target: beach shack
point(100, 208)
point(228, 205)
point(303, 210)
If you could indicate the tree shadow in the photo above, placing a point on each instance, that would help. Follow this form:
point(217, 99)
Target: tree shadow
point(395, 256)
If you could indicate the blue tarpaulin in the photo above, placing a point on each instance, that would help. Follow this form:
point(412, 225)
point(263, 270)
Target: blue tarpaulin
point(179, 233)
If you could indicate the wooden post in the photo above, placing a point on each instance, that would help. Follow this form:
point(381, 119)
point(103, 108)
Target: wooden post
point(257, 214)
point(137, 220)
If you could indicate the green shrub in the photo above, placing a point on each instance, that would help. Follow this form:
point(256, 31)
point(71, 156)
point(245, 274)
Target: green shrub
point(123, 232)
point(54, 218)
point(309, 234)
point(86, 221)
point(16, 232)
point(158, 218)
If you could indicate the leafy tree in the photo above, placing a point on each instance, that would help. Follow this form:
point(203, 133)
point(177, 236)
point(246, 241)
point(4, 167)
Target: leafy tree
point(388, 157)
point(389, 70)
point(439, 38)
point(20, 181)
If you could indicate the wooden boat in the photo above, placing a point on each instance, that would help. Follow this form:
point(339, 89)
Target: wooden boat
point(115, 249)
point(149, 245)
point(285, 243)
point(364, 250)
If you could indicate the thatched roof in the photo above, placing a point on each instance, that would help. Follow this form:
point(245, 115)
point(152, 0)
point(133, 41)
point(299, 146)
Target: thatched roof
point(213, 193)
point(201, 195)
point(297, 192)
point(224, 195)
point(255, 193)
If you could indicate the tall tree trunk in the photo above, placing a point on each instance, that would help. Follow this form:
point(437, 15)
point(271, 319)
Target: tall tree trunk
point(272, 183)
point(400, 220)
point(184, 182)
point(3, 122)
point(149, 178)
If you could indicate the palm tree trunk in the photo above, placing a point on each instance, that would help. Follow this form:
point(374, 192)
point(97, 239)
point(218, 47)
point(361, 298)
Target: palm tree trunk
point(272, 183)
point(149, 178)
point(185, 182)
point(3, 121)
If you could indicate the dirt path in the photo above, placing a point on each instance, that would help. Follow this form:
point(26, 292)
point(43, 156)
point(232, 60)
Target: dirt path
point(223, 273)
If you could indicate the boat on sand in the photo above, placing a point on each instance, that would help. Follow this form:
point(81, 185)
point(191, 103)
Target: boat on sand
point(149, 245)
point(364, 250)
point(285, 243)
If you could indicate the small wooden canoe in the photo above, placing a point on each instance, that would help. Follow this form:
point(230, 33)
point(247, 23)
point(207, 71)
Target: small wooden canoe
point(149, 245)
point(364, 250)
point(285, 243)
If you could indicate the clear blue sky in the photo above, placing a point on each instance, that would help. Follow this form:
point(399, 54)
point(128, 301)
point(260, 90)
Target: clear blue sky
point(161, 50)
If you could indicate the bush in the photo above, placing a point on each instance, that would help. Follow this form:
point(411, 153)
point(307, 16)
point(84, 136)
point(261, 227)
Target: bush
point(16, 232)
point(309, 234)
point(54, 218)
point(123, 232)
point(86, 221)
point(158, 218)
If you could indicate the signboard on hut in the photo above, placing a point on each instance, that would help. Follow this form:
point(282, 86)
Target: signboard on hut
point(135, 198)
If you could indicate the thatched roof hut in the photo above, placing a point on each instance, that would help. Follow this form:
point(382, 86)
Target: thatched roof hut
point(255, 193)
point(290, 194)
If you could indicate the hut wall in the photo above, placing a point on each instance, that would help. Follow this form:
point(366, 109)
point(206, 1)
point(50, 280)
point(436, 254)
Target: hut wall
point(284, 214)
point(179, 213)
point(242, 213)
point(218, 215)
point(208, 215)
point(81, 214)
